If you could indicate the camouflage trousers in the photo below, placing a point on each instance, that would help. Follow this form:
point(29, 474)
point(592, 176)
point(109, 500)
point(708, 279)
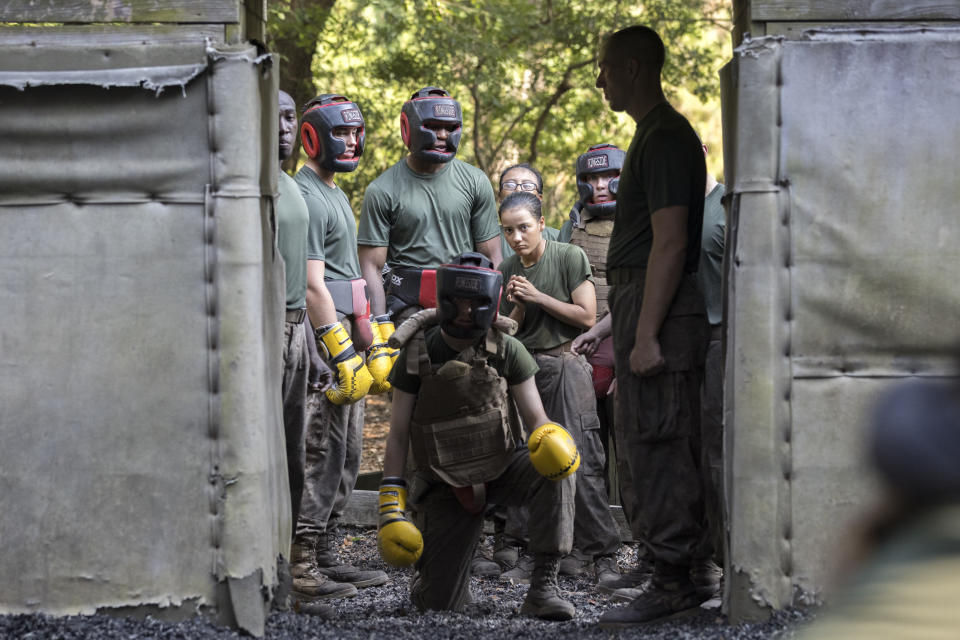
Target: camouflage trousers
point(293, 394)
point(566, 390)
point(334, 444)
point(450, 534)
point(658, 425)
point(711, 446)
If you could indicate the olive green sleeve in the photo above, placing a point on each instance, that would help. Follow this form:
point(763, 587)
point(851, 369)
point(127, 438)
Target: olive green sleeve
point(516, 364)
point(399, 377)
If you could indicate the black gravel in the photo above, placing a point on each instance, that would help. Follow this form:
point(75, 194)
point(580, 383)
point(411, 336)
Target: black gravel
point(385, 612)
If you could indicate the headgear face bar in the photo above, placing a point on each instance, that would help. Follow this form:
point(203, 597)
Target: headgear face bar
point(598, 159)
point(321, 116)
point(430, 105)
point(470, 276)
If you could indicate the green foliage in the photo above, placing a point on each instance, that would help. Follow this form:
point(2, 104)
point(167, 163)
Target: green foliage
point(523, 71)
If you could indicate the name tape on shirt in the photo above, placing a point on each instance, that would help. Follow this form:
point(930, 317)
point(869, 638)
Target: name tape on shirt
point(444, 111)
point(597, 162)
point(351, 115)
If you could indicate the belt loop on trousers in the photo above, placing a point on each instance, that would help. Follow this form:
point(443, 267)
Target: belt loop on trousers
point(296, 316)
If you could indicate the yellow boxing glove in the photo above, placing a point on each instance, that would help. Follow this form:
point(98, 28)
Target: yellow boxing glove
point(381, 357)
point(553, 452)
point(399, 541)
point(353, 379)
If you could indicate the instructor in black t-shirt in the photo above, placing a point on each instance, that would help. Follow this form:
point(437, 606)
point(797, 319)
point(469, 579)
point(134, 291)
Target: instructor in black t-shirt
point(659, 327)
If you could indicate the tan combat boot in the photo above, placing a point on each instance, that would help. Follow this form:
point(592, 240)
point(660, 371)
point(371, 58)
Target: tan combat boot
point(309, 584)
point(543, 598)
point(327, 561)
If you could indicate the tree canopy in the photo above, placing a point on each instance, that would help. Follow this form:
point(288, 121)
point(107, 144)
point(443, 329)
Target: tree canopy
point(524, 73)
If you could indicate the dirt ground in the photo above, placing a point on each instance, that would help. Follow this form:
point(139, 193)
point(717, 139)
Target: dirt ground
point(375, 427)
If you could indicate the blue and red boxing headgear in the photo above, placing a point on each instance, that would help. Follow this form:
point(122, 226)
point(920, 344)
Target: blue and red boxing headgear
point(430, 105)
point(321, 116)
point(598, 159)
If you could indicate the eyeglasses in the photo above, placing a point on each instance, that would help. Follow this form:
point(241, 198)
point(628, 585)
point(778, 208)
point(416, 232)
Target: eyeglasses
point(510, 185)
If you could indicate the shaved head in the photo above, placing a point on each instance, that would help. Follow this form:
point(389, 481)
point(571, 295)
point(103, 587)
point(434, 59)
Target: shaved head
point(637, 42)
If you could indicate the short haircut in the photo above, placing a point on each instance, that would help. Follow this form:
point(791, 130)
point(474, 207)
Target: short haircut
point(522, 200)
point(528, 167)
point(639, 42)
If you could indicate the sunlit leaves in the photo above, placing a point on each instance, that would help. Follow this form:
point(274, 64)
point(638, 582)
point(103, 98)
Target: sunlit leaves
point(512, 65)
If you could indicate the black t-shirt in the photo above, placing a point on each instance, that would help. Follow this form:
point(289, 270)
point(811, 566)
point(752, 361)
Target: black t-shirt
point(664, 167)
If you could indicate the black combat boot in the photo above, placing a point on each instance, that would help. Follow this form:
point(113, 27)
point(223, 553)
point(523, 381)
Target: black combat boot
point(607, 570)
point(671, 593)
point(629, 584)
point(482, 566)
point(543, 597)
point(707, 575)
point(575, 564)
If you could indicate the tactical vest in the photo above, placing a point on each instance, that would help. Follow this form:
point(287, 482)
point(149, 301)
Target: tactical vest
point(464, 428)
point(593, 236)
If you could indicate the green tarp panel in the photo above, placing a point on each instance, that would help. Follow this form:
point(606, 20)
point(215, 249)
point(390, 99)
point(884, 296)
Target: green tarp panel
point(142, 464)
point(844, 250)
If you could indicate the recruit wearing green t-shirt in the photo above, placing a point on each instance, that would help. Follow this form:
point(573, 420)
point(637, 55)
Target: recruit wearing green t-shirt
point(426, 220)
point(512, 362)
point(710, 273)
point(561, 269)
point(292, 221)
point(664, 167)
point(548, 232)
point(333, 229)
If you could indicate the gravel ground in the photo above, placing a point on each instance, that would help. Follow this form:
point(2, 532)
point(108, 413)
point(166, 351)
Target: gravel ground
point(385, 612)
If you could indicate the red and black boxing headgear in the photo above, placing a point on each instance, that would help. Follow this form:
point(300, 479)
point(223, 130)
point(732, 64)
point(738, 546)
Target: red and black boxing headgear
point(320, 117)
point(430, 104)
point(598, 159)
point(469, 276)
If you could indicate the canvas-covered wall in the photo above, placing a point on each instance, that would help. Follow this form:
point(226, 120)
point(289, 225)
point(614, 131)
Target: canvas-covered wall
point(841, 152)
point(142, 464)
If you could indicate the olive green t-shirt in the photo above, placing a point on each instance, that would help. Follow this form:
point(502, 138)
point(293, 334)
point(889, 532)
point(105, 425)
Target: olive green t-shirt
point(512, 362)
point(664, 167)
point(561, 269)
point(333, 229)
point(427, 220)
point(710, 273)
point(292, 220)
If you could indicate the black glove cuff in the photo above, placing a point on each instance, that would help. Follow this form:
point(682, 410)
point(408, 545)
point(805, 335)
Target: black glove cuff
point(394, 481)
point(345, 355)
